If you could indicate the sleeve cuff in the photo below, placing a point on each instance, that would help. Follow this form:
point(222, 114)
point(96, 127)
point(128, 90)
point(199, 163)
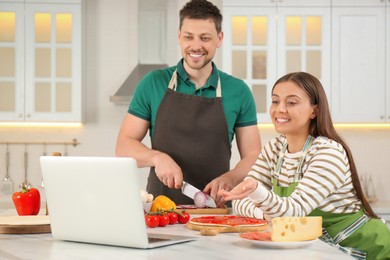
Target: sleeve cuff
point(258, 213)
point(258, 195)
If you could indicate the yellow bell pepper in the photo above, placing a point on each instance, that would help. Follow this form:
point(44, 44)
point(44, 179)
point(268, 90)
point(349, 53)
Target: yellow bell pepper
point(162, 203)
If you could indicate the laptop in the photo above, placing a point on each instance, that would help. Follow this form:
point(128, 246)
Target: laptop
point(98, 200)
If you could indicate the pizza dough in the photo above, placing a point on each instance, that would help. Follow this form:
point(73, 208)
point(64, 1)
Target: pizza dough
point(213, 225)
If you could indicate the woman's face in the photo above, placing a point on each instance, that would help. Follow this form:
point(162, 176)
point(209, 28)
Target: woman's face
point(291, 111)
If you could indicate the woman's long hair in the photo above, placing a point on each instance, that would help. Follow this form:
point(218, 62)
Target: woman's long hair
point(322, 124)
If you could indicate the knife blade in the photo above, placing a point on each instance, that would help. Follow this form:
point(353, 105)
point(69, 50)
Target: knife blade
point(190, 191)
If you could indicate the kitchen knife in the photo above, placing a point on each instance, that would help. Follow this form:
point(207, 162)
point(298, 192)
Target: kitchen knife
point(190, 191)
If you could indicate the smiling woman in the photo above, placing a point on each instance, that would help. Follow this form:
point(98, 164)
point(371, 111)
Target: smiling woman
point(291, 112)
point(309, 171)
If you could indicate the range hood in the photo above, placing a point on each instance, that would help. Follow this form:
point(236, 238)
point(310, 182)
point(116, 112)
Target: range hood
point(126, 90)
point(152, 50)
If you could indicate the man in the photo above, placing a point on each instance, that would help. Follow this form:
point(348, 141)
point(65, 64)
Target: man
point(192, 111)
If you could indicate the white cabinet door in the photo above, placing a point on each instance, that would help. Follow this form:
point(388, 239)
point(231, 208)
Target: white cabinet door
point(53, 63)
point(355, 3)
point(263, 43)
point(12, 62)
point(249, 51)
point(294, 3)
point(40, 62)
point(358, 64)
point(248, 3)
point(304, 42)
point(304, 3)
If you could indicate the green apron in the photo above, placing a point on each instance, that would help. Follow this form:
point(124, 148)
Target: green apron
point(352, 233)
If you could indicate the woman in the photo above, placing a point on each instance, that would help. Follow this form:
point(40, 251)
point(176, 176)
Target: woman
point(309, 171)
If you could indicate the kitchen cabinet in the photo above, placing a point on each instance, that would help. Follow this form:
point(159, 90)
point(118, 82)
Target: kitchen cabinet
point(359, 82)
point(266, 39)
point(349, 3)
point(351, 59)
point(280, 3)
point(40, 61)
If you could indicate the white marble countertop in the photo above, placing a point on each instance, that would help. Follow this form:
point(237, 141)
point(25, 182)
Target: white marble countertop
point(222, 246)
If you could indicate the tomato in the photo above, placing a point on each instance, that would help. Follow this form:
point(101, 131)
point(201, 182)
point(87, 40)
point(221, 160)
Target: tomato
point(152, 220)
point(173, 217)
point(163, 220)
point(184, 218)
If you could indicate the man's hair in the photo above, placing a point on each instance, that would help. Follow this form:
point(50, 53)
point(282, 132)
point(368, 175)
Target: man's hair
point(202, 10)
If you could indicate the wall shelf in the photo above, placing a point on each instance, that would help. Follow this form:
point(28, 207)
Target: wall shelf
point(73, 142)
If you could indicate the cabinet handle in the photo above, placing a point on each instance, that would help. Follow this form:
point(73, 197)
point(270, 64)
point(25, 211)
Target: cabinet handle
point(382, 117)
point(20, 115)
point(28, 115)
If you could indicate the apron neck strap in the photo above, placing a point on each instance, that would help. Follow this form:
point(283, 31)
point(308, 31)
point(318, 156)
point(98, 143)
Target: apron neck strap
point(298, 173)
point(173, 84)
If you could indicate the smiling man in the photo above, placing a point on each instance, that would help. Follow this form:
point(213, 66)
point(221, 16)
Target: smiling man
point(192, 111)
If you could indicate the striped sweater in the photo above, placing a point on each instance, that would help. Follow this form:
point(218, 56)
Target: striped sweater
point(326, 183)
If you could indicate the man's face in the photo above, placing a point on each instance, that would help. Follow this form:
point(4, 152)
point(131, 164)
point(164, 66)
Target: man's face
point(198, 40)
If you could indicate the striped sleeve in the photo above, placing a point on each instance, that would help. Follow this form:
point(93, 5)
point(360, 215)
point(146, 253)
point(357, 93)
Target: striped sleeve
point(261, 171)
point(245, 207)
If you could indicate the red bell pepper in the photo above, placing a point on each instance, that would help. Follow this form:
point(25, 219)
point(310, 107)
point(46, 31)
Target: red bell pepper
point(27, 201)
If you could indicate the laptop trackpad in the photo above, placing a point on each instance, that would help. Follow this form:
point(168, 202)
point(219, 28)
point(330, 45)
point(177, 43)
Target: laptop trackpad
point(156, 240)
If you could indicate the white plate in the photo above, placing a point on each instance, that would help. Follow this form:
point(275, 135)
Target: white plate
point(281, 245)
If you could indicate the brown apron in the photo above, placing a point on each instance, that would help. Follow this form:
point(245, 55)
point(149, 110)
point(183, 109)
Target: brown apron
point(193, 131)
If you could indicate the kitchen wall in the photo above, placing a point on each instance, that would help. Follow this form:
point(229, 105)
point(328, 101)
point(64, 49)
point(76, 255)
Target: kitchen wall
point(111, 53)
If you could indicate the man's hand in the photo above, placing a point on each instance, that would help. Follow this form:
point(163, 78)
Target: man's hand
point(241, 191)
point(221, 183)
point(167, 170)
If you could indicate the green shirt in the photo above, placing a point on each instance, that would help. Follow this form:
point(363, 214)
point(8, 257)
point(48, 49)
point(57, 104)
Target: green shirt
point(237, 99)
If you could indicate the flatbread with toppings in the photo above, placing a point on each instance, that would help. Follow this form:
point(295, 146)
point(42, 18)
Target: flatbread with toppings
point(227, 221)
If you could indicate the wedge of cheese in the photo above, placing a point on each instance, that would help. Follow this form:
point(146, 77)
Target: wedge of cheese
point(286, 229)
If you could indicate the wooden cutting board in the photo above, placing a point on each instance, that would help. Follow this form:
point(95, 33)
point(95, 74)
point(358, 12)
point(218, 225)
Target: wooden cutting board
point(214, 229)
point(24, 224)
point(205, 211)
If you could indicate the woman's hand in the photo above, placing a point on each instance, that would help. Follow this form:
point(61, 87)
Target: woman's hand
point(241, 191)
